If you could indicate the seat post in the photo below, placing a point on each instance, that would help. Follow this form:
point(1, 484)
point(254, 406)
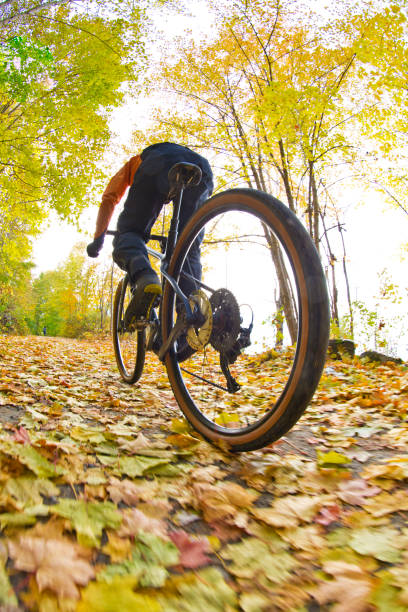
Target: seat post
point(173, 231)
point(181, 175)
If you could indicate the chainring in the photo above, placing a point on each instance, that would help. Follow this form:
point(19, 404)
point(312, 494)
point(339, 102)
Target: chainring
point(198, 337)
point(226, 320)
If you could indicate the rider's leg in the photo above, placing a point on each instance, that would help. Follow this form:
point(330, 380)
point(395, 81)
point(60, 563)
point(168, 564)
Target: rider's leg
point(193, 198)
point(131, 255)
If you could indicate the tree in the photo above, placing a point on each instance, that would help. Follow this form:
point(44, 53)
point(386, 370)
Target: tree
point(58, 83)
point(53, 137)
point(75, 298)
point(382, 51)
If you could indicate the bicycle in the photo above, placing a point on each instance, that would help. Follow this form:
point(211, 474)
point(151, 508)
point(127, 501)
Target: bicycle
point(212, 339)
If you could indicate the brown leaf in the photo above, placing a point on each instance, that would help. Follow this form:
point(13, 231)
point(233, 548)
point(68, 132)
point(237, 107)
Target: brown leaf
point(57, 564)
point(117, 548)
point(239, 496)
point(157, 508)
point(209, 474)
point(136, 445)
point(219, 502)
point(227, 533)
point(290, 511)
point(124, 491)
point(134, 521)
point(141, 443)
point(351, 588)
point(182, 440)
point(387, 503)
point(308, 538)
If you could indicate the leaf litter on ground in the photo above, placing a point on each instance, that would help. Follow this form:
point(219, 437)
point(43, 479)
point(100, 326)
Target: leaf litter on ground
point(110, 501)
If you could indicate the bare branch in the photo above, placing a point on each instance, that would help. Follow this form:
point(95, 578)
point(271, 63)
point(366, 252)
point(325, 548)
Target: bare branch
point(32, 10)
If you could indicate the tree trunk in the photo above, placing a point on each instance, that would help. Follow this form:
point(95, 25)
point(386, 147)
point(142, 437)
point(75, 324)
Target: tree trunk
point(111, 298)
point(347, 281)
point(315, 210)
point(286, 297)
point(278, 322)
point(285, 177)
point(335, 310)
point(334, 293)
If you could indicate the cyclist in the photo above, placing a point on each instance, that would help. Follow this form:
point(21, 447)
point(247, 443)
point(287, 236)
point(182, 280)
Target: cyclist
point(147, 176)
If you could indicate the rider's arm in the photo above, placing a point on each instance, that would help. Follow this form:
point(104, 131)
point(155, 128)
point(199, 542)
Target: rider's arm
point(114, 193)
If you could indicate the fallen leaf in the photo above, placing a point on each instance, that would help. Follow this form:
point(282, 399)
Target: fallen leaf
point(204, 591)
point(308, 538)
point(290, 511)
point(350, 588)
point(88, 518)
point(331, 458)
point(383, 543)
point(25, 491)
point(117, 548)
point(252, 557)
point(134, 521)
point(21, 435)
point(218, 502)
point(124, 491)
point(387, 503)
point(57, 564)
point(355, 491)
point(30, 457)
point(7, 596)
point(328, 514)
point(192, 550)
point(117, 594)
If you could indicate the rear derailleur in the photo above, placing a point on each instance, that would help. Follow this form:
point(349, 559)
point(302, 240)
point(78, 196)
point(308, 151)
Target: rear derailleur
point(228, 336)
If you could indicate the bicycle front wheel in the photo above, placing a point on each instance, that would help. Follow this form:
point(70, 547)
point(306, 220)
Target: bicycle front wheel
point(129, 344)
point(256, 356)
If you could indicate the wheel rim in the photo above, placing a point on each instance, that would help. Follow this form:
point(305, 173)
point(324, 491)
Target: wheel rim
point(246, 269)
point(129, 343)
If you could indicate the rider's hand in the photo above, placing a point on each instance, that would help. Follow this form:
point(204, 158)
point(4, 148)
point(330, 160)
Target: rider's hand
point(95, 246)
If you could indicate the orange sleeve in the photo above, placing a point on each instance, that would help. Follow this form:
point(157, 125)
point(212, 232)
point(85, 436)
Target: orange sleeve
point(114, 193)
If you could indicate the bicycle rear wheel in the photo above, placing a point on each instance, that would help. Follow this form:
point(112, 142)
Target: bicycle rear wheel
point(262, 285)
point(129, 344)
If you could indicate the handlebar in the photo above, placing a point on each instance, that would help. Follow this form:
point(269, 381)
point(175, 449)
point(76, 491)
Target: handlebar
point(161, 239)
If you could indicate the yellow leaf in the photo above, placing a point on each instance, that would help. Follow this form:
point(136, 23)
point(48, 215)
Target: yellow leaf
point(117, 548)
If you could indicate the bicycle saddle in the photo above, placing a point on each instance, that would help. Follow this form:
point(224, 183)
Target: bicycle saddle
point(184, 174)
